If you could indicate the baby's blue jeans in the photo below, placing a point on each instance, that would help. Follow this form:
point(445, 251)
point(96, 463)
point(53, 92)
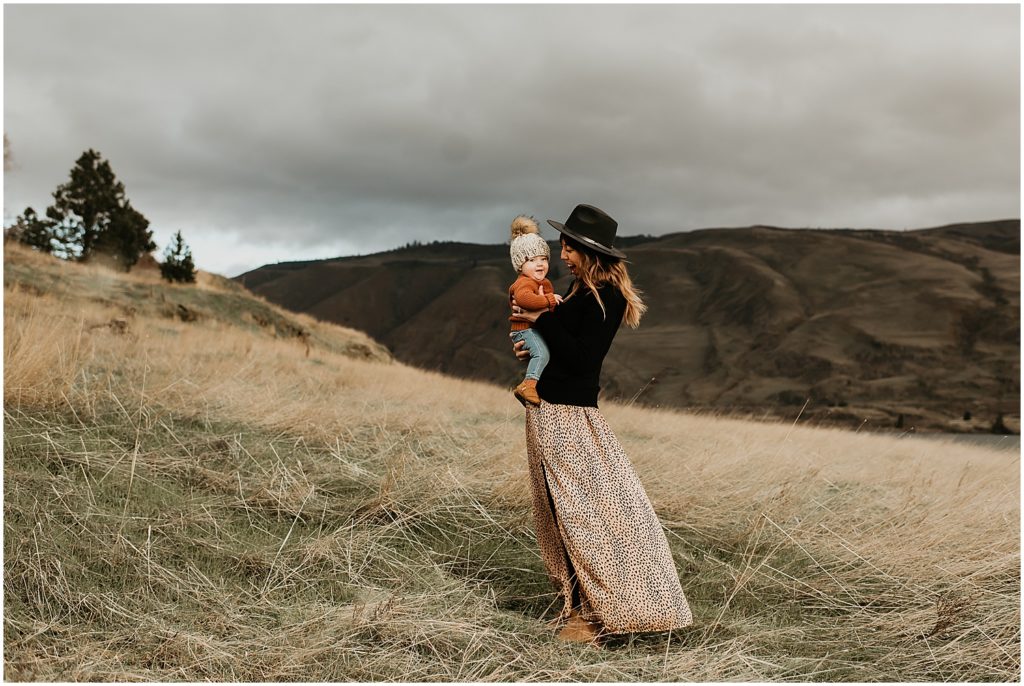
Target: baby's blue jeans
point(539, 354)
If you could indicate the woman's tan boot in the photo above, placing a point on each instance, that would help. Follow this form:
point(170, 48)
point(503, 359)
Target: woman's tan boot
point(579, 630)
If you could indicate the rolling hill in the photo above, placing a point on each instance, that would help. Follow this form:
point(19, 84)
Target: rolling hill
point(910, 330)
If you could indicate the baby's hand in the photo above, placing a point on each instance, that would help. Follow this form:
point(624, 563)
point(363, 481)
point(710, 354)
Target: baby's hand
point(558, 298)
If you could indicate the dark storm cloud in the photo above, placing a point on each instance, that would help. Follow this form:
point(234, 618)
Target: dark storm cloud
point(305, 129)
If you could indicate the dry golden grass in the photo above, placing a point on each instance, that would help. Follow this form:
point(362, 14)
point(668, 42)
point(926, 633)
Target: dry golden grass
point(42, 349)
point(196, 500)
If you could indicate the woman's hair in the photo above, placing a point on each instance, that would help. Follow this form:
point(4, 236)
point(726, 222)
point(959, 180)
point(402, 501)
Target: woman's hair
point(596, 269)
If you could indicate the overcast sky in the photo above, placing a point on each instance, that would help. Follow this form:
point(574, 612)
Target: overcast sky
point(269, 133)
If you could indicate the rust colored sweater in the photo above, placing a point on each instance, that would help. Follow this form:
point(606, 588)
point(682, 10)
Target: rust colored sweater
point(525, 291)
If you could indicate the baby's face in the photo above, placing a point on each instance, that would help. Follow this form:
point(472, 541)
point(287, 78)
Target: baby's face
point(535, 267)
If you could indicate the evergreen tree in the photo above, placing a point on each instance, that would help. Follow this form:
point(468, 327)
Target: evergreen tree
point(29, 229)
point(82, 207)
point(90, 212)
point(127, 236)
point(177, 264)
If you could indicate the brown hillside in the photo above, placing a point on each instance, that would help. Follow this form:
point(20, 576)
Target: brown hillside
point(861, 325)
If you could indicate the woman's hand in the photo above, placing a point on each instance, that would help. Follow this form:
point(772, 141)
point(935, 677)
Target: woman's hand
point(519, 348)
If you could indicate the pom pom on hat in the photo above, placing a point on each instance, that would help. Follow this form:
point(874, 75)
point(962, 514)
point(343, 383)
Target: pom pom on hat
point(523, 225)
point(526, 241)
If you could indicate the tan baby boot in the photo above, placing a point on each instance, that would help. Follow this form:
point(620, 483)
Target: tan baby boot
point(526, 392)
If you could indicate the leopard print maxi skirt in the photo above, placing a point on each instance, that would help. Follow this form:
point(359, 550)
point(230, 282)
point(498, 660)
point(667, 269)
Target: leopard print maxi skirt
point(600, 539)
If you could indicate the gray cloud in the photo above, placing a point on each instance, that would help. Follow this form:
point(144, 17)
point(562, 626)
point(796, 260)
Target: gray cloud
point(292, 131)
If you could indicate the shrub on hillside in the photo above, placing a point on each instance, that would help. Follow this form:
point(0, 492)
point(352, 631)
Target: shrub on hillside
point(30, 229)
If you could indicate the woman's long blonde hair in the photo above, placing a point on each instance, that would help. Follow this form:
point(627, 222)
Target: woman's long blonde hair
point(595, 269)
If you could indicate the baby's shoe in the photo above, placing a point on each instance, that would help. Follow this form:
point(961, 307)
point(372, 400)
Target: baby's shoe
point(526, 392)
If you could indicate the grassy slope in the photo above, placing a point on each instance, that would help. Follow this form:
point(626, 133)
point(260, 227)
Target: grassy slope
point(201, 500)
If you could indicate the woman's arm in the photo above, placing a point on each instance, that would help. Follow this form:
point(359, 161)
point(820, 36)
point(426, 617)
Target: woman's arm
point(576, 350)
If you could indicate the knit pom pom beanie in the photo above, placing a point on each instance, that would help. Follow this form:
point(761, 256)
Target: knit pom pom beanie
point(526, 241)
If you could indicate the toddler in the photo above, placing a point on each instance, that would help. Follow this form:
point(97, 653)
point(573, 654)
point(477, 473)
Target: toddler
point(530, 255)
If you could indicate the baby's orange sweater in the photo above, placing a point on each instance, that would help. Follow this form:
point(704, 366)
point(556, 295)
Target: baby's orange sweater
point(525, 291)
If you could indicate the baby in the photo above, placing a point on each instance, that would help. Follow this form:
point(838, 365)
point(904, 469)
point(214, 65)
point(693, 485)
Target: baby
point(530, 254)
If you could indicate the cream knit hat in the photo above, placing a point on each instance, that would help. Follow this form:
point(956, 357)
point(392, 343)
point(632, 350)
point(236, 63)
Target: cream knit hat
point(526, 241)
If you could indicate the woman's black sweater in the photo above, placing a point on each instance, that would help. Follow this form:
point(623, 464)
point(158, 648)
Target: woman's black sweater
point(578, 335)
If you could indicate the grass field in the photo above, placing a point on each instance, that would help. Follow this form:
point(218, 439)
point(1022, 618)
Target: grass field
point(199, 496)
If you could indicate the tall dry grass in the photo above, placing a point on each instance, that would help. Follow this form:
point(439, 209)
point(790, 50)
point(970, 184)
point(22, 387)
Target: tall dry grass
point(43, 349)
point(191, 501)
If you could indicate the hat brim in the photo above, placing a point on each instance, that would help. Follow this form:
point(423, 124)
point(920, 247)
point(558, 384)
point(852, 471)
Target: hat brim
point(589, 243)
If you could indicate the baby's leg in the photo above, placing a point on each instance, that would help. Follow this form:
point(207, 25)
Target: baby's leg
point(539, 355)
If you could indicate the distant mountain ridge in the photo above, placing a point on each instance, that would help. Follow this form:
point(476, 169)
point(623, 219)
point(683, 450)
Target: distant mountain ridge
point(911, 329)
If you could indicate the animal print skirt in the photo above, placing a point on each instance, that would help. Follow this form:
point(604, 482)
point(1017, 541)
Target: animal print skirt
point(600, 539)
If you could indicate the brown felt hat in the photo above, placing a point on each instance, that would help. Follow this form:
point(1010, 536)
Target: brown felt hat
point(591, 228)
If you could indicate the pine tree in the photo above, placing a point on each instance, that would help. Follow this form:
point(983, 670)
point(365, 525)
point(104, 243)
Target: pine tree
point(177, 264)
point(127, 236)
point(91, 213)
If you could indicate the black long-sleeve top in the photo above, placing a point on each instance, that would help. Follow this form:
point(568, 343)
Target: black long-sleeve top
point(578, 335)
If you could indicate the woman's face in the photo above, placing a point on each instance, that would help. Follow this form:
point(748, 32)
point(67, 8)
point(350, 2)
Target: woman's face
point(570, 257)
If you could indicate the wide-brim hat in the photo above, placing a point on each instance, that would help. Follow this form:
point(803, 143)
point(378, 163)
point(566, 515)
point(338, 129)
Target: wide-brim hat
point(591, 228)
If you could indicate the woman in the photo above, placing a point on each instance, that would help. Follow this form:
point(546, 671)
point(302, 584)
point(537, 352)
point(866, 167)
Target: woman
point(599, 537)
